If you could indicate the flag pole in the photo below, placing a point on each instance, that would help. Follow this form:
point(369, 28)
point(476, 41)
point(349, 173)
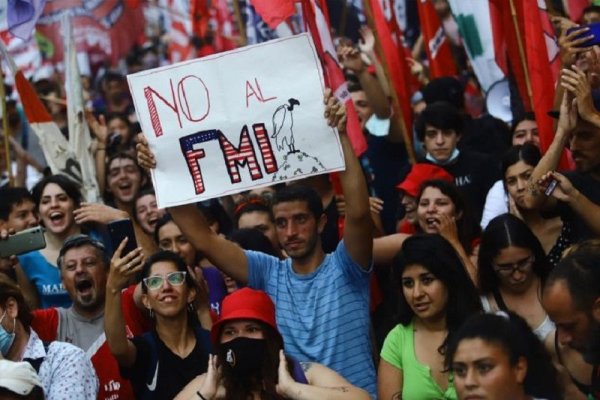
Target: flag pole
point(513, 12)
point(395, 100)
point(240, 23)
point(6, 130)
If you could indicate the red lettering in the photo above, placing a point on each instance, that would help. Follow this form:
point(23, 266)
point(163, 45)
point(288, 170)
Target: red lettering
point(264, 144)
point(185, 104)
point(241, 155)
point(262, 97)
point(149, 93)
point(192, 158)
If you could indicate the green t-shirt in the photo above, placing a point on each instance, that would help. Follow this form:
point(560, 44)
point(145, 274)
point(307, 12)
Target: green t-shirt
point(417, 382)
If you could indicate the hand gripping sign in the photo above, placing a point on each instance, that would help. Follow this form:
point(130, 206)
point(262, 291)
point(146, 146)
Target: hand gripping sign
point(235, 121)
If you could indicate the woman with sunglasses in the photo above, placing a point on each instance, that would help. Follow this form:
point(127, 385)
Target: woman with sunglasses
point(512, 268)
point(250, 362)
point(161, 362)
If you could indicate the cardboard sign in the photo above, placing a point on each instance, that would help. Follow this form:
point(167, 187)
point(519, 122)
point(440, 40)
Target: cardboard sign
point(235, 121)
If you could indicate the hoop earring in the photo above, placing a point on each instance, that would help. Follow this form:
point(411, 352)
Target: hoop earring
point(151, 311)
point(191, 307)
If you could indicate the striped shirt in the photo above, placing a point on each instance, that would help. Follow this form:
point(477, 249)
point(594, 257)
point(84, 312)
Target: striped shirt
point(323, 316)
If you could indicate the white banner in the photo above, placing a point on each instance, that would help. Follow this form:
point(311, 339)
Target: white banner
point(234, 121)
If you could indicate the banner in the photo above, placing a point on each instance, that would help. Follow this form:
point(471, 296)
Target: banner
point(105, 29)
point(218, 129)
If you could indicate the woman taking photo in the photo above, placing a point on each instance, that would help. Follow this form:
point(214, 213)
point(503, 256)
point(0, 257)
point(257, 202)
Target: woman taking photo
point(437, 296)
point(251, 363)
point(511, 269)
point(161, 362)
point(496, 357)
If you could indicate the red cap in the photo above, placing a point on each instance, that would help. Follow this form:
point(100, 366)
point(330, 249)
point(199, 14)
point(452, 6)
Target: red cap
point(421, 173)
point(245, 303)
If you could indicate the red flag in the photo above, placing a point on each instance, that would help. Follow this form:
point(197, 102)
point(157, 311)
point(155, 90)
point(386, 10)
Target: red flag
point(575, 9)
point(437, 46)
point(274, 12)
point(540, 73)
point(317, 19)
point(506, 44)
point(107, 30)
point(390, 38)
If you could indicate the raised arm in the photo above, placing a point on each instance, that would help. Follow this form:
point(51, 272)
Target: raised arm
point(121, 270)
point(222, 253)
point(358, 227)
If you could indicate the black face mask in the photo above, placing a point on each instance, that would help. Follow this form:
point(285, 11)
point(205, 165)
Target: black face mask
point(243, 355)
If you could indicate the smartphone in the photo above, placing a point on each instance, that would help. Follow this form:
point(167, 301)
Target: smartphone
point(23, 242)
point(551, 186)
point(594, 30)
point(119, 230)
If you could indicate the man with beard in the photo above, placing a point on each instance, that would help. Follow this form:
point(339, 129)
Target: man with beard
point(571, 297)
point(84, 264)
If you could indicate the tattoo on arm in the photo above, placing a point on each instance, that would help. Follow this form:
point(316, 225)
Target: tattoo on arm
point(397, 396)
point(305, 366)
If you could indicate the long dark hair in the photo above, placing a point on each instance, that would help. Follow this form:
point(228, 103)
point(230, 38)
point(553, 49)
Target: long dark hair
point(467, 230)
point(436, 255)
point(504, 231)
point(237, 387)
point(528, 153)
point(512, 333)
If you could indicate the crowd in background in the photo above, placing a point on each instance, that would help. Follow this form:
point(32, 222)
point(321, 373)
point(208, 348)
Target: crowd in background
point(456, 258)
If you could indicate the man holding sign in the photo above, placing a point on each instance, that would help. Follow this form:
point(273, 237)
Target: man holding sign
point(322, 300)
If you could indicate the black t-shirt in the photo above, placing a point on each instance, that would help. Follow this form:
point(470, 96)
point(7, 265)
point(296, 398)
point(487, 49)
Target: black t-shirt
point(171, 373)
point(389, 163)
point(474, 174)
point(590, 188)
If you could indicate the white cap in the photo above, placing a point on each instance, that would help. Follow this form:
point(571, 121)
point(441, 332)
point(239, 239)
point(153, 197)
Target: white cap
point(18, 377)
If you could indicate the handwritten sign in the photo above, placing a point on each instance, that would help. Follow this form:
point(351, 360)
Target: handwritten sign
point(235, 121)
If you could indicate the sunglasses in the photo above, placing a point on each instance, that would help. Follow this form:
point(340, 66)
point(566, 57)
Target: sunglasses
point(176, 278)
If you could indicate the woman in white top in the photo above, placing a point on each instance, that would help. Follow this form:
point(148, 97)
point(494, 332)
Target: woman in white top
point(511, 269)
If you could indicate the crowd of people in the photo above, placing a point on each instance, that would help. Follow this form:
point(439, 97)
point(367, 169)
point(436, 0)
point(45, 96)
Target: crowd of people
point(472, 273)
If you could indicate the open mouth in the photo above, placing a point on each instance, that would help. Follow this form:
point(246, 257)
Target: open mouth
point(168, 299)
point(84, 286)
point(56, 216)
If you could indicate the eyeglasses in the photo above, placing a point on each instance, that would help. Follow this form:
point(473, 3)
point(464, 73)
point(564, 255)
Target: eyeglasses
point(521, 266)
point(176, 278)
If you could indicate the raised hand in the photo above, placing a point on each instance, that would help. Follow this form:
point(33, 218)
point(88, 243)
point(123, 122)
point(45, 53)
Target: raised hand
point(145, 157)
point(335, 112)
point(122, 269)
point(97, 212)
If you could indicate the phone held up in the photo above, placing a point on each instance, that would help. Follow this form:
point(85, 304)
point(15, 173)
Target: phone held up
point(594, 32)
point(119, 230)
point(23, 242)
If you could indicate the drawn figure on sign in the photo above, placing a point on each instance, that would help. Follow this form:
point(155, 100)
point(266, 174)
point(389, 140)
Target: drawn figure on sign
point(293, 162)
point(283, 124)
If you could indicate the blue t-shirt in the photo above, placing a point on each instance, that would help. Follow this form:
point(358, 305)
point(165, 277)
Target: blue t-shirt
point(323, 316)
point(216, 288)
point(46, 278)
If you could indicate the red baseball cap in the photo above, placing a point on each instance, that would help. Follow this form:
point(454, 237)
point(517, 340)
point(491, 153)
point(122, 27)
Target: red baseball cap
point(245, 303)
point(421, 173)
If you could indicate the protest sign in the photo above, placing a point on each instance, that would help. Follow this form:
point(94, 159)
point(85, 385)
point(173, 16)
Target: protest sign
point(235, 121)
